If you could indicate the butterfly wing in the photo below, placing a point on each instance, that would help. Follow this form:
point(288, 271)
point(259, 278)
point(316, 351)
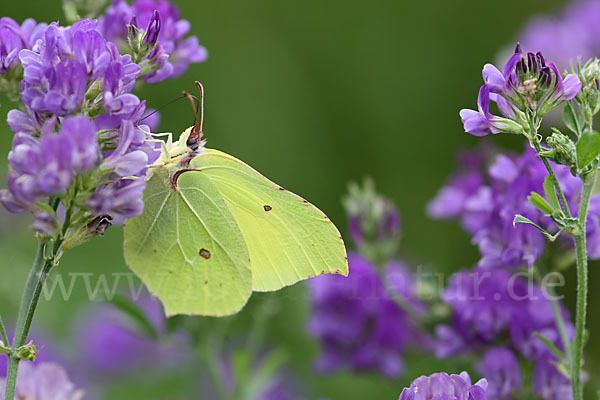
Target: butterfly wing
point(288, 239)
point(187, 248)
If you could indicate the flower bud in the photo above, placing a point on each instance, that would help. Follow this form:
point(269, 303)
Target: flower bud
point(562, 149)
point(589, 96)
point(506, 125)
point(27, 352)
point(152, 31)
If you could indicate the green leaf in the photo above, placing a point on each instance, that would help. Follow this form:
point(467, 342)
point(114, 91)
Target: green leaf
point(519, 219)
point(570, 118)
point(540, 203)
point(550, 193)
point(136, 315)
point(588, 148)
point(550, 346)
point(213, 232)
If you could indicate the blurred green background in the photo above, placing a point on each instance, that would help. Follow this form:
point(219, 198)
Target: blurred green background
point(314, 94)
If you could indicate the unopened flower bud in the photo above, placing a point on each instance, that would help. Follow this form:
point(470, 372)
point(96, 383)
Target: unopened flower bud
point(562, 149)
point(27, 352)
point(152, 31)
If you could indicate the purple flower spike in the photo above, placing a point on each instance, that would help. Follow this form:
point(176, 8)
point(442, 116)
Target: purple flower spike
point(501, 369)
point(441, 386)
point(485, 196)
point(356, 321)
point(490, 304)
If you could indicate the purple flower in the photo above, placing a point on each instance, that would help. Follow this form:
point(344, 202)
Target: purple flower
point(89, 48)
point(527, 82)
point(110, 344)
point(487, 195)
point(501, 369)
point(356, 321)
point(482, 309)
point(14, 38)
point(549, 383)
point(535, 316)
point(11, 42)
point(482, 122)
point(441, 386)
point(490, 304)
point(46, 381)
point(20, 122)
point(153, 29)
point(81, 133)
point(122, 200)
point(46, 165)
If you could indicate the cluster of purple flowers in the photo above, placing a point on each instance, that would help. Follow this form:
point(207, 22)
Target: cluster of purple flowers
point(492, 305)
point(564, 37)
point(79, 136)
point(527, 83)
point(489, 190)
point(357, 321)
point(489, 306)
point(441, 386)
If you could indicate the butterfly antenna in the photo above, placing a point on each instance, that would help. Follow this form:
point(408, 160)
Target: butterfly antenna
point(161, 107)
point(201, 105)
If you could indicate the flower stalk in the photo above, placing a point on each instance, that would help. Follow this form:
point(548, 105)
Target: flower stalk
point(589, 181)
point(36, 280)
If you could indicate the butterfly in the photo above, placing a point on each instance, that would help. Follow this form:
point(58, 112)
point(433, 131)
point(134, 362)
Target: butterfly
point(214, 230)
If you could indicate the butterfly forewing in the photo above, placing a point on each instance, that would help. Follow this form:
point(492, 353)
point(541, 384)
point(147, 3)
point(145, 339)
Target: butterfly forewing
point(288, 239)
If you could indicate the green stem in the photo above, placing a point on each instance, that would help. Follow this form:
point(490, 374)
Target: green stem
point(29, 300)
point(589, 181)
point(31, 296)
